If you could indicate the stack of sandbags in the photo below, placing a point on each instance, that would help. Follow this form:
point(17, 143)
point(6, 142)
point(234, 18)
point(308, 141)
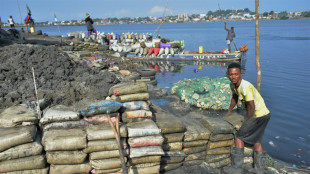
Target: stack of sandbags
point(145, 143)
point(195, 140)
point(20, 147)
point(102, 145)
point(172, 130)
point(64, 140)
point(221, 139)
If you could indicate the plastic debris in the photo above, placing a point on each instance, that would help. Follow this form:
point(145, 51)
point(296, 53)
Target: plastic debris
point(272, 144)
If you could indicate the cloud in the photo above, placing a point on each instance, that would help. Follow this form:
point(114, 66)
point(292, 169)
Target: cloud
point(157, 9)
point(122, 13)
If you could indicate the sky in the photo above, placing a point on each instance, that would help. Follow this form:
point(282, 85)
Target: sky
point(43, 10)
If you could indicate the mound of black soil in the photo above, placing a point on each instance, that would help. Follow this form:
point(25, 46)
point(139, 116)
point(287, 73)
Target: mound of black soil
point(58, 78)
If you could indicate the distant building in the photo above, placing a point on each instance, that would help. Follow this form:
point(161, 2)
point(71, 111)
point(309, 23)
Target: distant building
point(202, 15)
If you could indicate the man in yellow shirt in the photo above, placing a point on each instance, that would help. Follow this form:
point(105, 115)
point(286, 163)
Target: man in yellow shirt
point(257, 118)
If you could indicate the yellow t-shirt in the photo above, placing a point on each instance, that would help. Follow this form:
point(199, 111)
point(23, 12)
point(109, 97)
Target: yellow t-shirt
point(247, 92)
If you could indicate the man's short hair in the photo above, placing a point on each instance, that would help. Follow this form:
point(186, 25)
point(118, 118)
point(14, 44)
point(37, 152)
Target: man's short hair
point(234, 65)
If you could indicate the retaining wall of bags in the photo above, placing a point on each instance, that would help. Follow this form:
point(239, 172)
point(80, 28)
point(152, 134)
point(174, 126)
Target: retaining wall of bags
point(82, 141)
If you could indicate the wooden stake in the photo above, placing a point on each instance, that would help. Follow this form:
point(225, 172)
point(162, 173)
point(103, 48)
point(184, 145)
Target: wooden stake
point(258, 82)
point(35, 88)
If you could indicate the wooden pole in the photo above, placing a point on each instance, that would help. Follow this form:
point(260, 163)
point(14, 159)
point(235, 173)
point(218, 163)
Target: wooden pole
point(258, 82)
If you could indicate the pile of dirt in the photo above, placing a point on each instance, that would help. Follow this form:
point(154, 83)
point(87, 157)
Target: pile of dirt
point(59, 79)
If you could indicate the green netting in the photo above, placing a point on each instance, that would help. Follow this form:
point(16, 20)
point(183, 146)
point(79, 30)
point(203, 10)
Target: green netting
point(205, 92)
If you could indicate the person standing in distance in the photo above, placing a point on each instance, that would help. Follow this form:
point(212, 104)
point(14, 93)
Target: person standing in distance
point(230, 36)
point(11, 22)
point(252, 130)
point(89, 25)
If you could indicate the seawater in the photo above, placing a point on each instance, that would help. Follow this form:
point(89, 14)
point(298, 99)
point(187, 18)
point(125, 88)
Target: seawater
point(285, 66)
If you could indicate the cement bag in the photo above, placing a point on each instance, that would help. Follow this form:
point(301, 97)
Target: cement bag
point(70, 169)
point(194, 130)
point(220, 164)
point(110, 163)
point(20, 151)
point(171, 159)
point(64, 125)
point(145, 151)
point(14, 136)
point(154, 140)
point(144, 159)
point(216, 158)
point(137, 114)
point(102, 107)
point(66, 157)
point(143, 128)
point(172, 146)
point(217, 151)
point(221, 137)
point(235, 120)
point(107, 154)
point(132, 120)
point(163, 121)
point(196, 156)
point(130, 88)
point(191, 150)
point(101, 118)
point(27, 163)
point(131, 97)
point(143, 165)
point(192, 163)
point(103, 145)
point(17, 115)
point(98, 171)
point(59, 113)
point(195, 143)
point(213, 145)
point(174, 137)
point(34, 171)
point(175, 153)
point(104, 132)
point(144, 170)
point(136, 105)
point(217, 125)
point(168, 167)
point(58, 140)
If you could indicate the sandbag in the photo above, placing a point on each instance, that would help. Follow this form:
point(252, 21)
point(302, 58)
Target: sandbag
point(221, 137)
point(66, 157)
point(145, 151)
point(153, 140)
point(163, 121)
point(216, 158)
point(143, 128)
point(168, 167)
point(174, 137)
point(70, 169)
point(104, 132)
point(58, 140)
point(34, 171)
point(220, 164)
point(110, 163)
point(136, 105)
point(144, 170)
point(131, 97)
point(195, 143)
point(108, 154)
point(235, 120)
point(143, 165)
point(17, 115)
point(213, 145)
point(217, 125)
point(128, 88)
point(132, 120)
point(137, 114)
point(172, 146)
point(24, 150)
point(101, 119)
point(101, 107)
point(65, 125)
point(191, 150)
point(103, 145)
point(192, 163)
point(217, 151)
point(27, 163)
point(175, 153)
point(194, 130)
point(196, 156)
point(171, 159)
point(59, 113)
point(98, 171)
point(144, 159)
point(14, 136)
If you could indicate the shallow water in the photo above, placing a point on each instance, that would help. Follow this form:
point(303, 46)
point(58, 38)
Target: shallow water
point(285, 65)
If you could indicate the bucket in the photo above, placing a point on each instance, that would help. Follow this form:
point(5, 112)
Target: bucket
point(31, 29)
point(200, 49)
